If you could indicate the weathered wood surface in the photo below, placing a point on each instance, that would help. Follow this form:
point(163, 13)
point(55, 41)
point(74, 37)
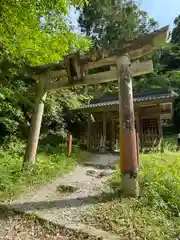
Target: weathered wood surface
point(136, 48)
point(32, 144)
point(138, 68)
point(144, 44)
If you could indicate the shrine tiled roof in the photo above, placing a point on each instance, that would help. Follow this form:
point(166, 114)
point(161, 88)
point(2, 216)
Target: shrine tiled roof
point(145, 96)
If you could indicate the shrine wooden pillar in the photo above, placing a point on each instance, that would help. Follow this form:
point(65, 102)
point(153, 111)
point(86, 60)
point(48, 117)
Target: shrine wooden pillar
point(103, 138)
point(128, 152)
point(160, 130)
point(32, 143)
point(113, 134)
point(138, 129)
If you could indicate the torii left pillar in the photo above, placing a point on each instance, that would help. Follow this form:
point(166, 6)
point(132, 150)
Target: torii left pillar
point(128, 150)
point(32, 143)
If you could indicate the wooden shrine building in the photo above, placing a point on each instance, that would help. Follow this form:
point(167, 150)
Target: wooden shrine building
point(151, 108)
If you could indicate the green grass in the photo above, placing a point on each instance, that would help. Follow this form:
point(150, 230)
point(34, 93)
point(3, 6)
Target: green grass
point(170, 143)
point(51, 162)
point(156, 214)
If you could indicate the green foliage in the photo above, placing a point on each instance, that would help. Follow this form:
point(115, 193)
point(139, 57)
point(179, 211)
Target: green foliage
point(110, 23)
point(54, 125)
point(33, 33)
point(166, 65)
point(175, 38)
point(14, 118)
point(16, 111)
point(10, 113)
point(155, 215)
point(51, 162)
point(37, 33)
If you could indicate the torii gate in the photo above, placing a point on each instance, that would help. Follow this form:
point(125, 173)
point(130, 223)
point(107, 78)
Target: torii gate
point(121, 64)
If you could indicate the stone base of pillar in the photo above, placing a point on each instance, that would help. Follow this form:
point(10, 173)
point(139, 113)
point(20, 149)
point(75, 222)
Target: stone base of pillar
point(129, 185)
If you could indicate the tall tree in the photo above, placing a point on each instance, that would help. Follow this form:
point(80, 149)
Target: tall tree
point(170, 54)
point(36, 31)
point(166, 64)
point(175, 38)
point(111, 22)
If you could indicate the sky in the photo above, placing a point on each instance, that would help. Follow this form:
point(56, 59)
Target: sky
point(163, 11)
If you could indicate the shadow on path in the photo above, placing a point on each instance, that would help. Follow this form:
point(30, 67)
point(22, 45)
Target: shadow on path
point(62, 203)
point(5, 212)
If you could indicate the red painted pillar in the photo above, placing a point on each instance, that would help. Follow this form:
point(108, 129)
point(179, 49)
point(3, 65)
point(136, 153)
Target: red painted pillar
point(137, 147)
point(69, 145)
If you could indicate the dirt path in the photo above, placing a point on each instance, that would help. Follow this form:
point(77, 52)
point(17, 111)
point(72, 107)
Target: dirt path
point(18, 227)
point(15, 226)
point(67, 198)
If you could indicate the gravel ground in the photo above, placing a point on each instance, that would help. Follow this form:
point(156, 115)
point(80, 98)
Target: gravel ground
point(50, 205)
point(19, 227)
point(15, 226)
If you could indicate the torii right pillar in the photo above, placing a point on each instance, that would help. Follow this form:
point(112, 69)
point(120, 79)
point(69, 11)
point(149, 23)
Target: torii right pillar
point(128, 150)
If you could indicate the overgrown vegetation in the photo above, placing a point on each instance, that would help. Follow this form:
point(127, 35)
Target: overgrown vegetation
point(51, 162)
point(155, 215)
